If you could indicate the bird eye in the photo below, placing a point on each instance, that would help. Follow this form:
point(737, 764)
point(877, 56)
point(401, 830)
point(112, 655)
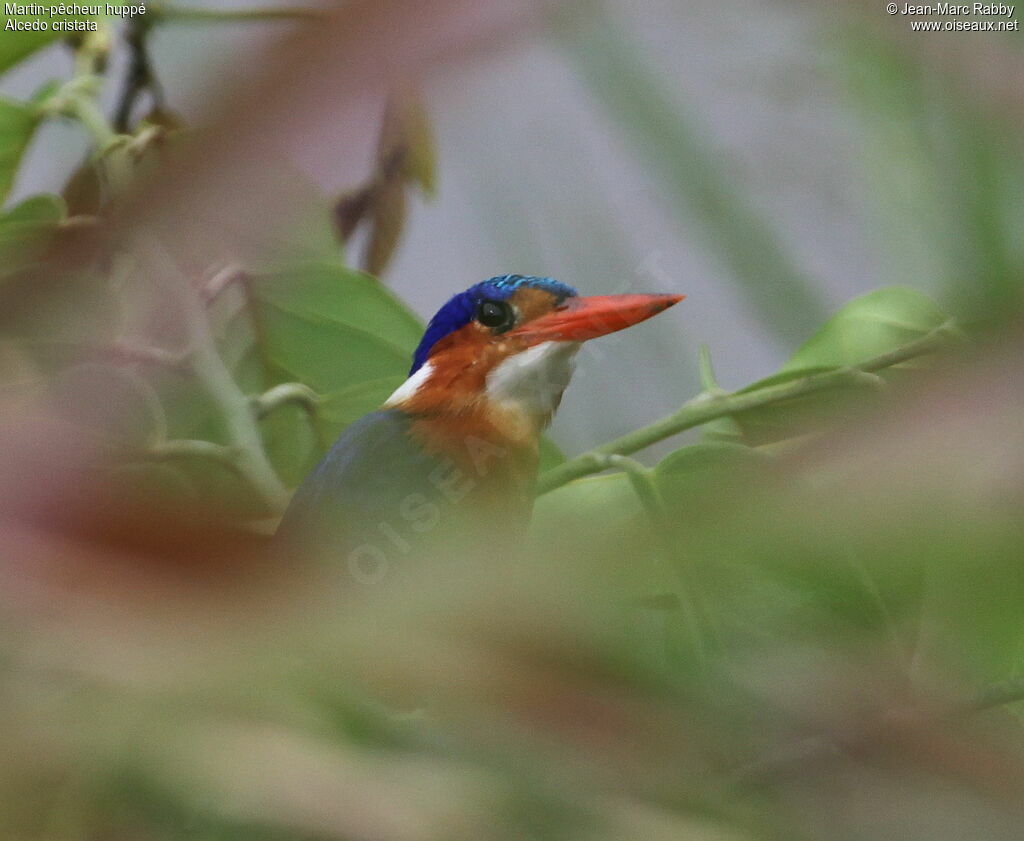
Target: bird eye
point(496, 314)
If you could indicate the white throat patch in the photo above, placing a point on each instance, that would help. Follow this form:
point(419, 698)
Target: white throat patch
point(533, 380)
point(408, 389)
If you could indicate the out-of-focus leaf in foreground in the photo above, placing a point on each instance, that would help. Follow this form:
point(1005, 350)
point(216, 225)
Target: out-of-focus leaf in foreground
point(17, 45)
point(27, 231)
point(18, 121)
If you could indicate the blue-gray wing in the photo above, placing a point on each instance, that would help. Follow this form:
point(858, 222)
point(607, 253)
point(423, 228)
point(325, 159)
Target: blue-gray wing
point(363, 491)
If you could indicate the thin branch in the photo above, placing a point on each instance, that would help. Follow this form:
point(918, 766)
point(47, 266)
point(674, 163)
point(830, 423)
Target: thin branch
point(708, 381)
point(180, 448)
point(91, 51)
point(708, 407)
point(283, 394)
point(77, 99)
point(250, 458)
point(223, 278)
point(296, 394)
point(643, 486)
point(261, 340)
point(139, 76)
point(233, 274)
point(144, 354)
point(79, 104)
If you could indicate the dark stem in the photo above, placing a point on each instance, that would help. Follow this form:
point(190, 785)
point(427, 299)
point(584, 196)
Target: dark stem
point(139, 76)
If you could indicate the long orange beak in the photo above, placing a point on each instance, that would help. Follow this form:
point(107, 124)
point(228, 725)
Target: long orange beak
point(579, 319)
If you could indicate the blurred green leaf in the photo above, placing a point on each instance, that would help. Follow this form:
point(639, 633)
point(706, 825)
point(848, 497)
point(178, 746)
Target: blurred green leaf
point(292, 441)
point(340, 408)
point(982, 176)
point(331, 327)
point(693, 476)
point(407, 142)
point(45, 207)
point(23, 244)
point(18, 122)
point(594, 517)
point(346, 296)
point(550, 455)
point(868, 326)
point(26, 232)
point(15, 46)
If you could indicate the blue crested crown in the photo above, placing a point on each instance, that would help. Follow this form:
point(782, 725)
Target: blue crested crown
point(461, 308)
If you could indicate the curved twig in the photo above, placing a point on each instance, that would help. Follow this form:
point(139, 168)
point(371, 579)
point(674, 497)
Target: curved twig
point(707, 407)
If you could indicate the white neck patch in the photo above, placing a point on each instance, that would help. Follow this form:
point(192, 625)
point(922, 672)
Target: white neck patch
point(533, 380)
point(408, 389)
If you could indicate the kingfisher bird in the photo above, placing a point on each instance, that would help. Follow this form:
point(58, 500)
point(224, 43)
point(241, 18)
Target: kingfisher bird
point(450, 459)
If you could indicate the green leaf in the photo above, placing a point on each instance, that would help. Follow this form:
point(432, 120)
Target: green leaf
point(550, 455)
point(45, 207)
point(334, 329)
point(46, 91)
point(291, 441)
point(602, 519)
point(26, 231)
point(868, 326)
point(340, 408)
point(331, 327)
point(18, 45)
point(23, 244)
point(15, 46)
point(407, 142)
point(333, 292)
point(593, 517)
point(18, 121)
point(325, 354)
point(692, 477)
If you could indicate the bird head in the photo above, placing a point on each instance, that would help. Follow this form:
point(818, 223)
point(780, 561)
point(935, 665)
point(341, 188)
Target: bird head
point(504, 347)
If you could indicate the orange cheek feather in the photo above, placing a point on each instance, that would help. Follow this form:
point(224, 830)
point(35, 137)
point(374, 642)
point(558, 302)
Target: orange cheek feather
point(455, 419)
